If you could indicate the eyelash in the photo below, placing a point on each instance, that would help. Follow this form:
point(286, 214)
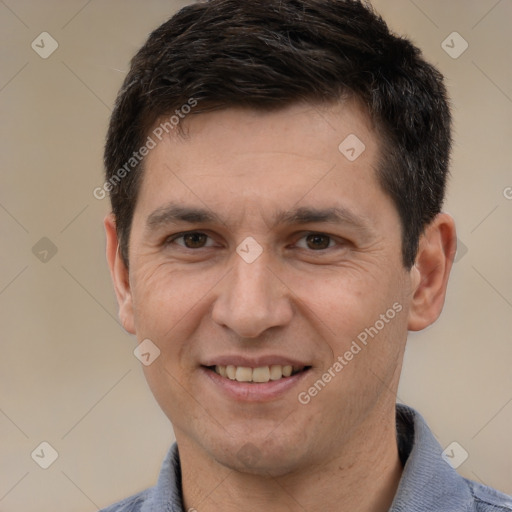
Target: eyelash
point(173, 238)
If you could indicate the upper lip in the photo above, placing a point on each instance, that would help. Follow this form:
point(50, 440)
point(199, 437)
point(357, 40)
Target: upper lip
point(253, 362)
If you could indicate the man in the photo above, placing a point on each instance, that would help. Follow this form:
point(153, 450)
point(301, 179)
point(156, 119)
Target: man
point(277, 172)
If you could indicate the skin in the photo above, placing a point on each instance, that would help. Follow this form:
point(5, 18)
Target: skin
point(304, 297)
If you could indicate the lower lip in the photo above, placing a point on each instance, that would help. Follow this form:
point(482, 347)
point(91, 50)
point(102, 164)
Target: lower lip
point(255, 392)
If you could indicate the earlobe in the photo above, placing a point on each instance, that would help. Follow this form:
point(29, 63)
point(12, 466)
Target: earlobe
point(430, 273)
point(119, 274)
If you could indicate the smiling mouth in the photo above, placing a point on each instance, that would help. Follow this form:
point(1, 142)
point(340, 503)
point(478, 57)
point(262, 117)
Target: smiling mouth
point(260, 374)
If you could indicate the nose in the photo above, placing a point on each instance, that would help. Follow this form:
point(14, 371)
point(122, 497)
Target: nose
point(252, 299)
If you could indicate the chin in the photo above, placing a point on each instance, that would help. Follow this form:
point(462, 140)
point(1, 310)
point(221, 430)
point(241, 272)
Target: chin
point(264, 457)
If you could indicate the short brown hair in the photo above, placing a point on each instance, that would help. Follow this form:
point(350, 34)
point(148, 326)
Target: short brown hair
point(268, 54)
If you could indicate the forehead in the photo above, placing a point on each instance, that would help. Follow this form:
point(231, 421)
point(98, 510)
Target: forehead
point(303, 129)
point(239, 161)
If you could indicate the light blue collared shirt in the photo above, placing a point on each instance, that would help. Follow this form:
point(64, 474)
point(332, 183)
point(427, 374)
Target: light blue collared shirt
point(428, 483)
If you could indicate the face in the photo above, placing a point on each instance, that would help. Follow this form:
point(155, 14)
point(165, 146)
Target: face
point(258, 249)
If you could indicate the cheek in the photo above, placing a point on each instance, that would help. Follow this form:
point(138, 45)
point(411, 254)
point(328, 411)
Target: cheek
point(362, 317)
point(170, 305)
point(168, 308)
point(162, 296)
point(345, 301)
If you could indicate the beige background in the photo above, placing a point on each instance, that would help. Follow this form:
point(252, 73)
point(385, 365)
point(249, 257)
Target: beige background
point(67, 372)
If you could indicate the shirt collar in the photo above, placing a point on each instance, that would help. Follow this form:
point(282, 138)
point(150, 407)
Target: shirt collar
point(428, 483)
point(166, 495)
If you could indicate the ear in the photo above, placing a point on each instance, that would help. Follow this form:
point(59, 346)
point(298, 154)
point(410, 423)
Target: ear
point(430, 272)
point(120, 276)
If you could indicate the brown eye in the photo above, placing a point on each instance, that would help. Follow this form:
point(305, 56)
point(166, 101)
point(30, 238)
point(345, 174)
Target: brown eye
point(194, 240)
point(190, 240)
point(318, 241)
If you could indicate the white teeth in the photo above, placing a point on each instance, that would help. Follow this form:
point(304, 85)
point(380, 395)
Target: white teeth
point(276, 372)
point(243, 374)
point(260, 374)
point(287, 370)
point(221, 370)
point(230, 371)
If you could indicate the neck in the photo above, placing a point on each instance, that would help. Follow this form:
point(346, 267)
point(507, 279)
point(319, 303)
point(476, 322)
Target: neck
point(363, 477)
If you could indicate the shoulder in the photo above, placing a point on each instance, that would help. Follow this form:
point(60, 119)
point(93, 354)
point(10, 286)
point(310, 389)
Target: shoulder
point(488, 499)
point(132, 504)
point(167, 491)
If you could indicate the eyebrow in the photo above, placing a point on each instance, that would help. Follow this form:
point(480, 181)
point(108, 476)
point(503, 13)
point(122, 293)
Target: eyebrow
point(334, 215)
point(175, 213)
